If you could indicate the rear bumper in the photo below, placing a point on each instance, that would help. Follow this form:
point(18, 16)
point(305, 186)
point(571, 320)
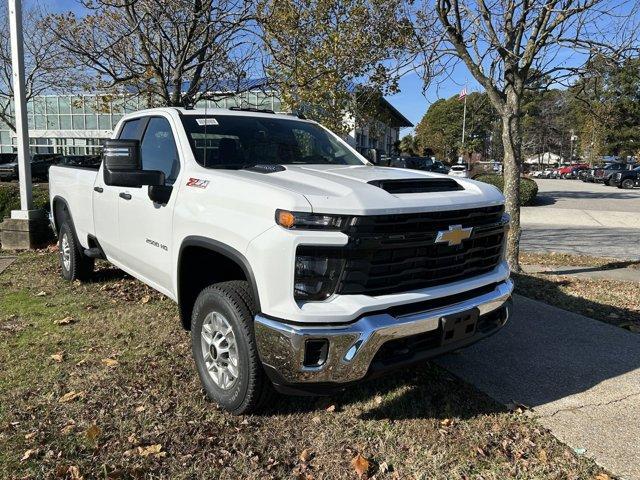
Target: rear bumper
point(354, 350)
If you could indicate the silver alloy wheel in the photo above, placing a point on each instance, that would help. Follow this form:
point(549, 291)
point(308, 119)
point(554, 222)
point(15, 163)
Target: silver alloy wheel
point(65, 252)
point(220, 350)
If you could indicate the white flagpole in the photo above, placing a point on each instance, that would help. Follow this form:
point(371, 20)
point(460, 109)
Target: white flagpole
point(17, 60)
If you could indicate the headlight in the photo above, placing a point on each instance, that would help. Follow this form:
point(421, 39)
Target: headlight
point(317, 273)
point(310, 221)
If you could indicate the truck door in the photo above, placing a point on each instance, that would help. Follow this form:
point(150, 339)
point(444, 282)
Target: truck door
point(106, 202)
point(146, 227)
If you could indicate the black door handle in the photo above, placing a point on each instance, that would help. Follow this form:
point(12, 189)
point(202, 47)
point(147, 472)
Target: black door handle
point(98, 189)
point(126, 196)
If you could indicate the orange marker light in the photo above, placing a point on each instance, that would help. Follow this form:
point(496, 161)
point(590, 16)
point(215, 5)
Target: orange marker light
point(286, 219)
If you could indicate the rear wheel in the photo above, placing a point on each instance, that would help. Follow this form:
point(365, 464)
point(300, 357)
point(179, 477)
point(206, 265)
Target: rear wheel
point(627, 183)
point(74, 263)
point(224, 348)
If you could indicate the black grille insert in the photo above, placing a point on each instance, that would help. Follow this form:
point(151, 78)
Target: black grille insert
point(417, 185)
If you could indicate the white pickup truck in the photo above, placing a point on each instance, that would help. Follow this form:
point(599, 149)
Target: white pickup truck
point(295, 262)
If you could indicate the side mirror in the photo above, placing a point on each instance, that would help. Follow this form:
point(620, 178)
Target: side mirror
point(123, 168)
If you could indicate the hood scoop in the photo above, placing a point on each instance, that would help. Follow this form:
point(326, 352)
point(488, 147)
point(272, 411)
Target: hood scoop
point(266, 168)
point(417, 185)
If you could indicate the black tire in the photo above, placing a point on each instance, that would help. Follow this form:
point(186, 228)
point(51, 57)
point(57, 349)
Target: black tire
point(627, 184)
point(607, 183)
point(251, 389)
point(77, 266)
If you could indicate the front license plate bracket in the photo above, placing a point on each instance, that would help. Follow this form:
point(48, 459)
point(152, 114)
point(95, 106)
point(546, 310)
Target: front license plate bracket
point(459, 326)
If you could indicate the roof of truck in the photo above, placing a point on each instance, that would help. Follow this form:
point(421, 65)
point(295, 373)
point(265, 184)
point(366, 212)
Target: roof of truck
point(218, 111)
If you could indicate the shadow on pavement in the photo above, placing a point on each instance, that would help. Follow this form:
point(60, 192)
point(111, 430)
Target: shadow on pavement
point(546, 354)
point(601, 268)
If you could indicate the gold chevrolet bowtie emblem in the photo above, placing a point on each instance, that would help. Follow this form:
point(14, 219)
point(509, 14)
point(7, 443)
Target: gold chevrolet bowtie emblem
point(454, 236)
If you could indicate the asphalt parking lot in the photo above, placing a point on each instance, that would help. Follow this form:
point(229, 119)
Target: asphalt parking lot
point(584, 219)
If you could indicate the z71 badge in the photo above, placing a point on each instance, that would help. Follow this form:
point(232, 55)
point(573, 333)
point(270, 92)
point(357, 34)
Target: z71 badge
point(196, 182)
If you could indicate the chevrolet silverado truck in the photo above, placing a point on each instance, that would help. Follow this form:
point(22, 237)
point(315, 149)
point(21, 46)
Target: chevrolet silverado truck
point(295, 263)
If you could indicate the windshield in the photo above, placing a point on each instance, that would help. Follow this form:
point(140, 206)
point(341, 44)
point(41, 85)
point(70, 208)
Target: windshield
point(234, 142)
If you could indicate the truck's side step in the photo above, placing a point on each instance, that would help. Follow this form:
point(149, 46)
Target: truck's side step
point(94, 252)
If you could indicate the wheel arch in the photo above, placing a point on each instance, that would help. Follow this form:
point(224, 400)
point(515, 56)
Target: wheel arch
point(230, 265)
point(59, 208)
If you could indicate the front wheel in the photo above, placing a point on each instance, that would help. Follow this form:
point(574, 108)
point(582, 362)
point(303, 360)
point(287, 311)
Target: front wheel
point(224, 348)
point(75, 265)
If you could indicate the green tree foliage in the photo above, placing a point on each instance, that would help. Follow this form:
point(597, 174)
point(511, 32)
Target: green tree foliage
point(441, 127)
point(322, 52)
point(409, 146)
point(605, 106)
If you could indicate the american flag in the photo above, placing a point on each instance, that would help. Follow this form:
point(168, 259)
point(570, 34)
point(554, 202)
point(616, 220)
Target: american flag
point(463, 94)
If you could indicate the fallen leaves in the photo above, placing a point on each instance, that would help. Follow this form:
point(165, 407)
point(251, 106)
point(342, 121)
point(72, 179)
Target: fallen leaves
point(65, 321)
point(41, 294)
point(29, 454)
point(360, 465)
point(110, 362)
point(602, 476)
point(93, 432)
point(306, 455)
point(146, 299)
point(74, 473)
point(542, 455)
point(155, 450)
point(58, 357)
point(71, 396)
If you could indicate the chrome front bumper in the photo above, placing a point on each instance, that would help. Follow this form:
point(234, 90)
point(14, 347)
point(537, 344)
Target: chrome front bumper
point(352, 347)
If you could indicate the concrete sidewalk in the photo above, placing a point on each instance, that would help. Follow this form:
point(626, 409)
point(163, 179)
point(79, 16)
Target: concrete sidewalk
point(574, 217)
point(581, 377)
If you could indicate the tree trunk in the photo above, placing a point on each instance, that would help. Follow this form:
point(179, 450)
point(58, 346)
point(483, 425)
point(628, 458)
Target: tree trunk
point(512, 143)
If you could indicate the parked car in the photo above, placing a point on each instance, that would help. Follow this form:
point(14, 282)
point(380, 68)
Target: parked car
point(426, 164)
point(571, 171)
point(626, 178)
point(583, 174)
point(294, 262)
point(8, 165)
point(40, 163)
point(459, 171)
point(604, 174)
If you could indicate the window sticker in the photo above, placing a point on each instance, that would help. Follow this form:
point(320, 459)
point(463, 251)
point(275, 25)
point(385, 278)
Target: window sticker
point(206, 121)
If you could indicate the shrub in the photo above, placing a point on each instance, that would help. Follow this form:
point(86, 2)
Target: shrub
point(528, 187)
point(10, 198)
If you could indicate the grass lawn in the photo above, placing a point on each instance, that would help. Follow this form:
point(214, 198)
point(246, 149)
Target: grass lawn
point(612, 301)
point(97, 381)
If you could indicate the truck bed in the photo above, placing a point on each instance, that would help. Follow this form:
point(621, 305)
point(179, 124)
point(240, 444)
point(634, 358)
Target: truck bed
point(75, 186)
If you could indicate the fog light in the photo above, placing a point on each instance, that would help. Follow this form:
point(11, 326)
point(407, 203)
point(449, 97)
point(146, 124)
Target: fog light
point(315, 352)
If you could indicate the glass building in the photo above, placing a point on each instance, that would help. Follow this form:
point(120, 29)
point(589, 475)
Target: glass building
point(79, 124)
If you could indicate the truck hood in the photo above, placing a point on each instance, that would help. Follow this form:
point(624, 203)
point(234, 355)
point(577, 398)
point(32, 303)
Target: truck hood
point(346, 189)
